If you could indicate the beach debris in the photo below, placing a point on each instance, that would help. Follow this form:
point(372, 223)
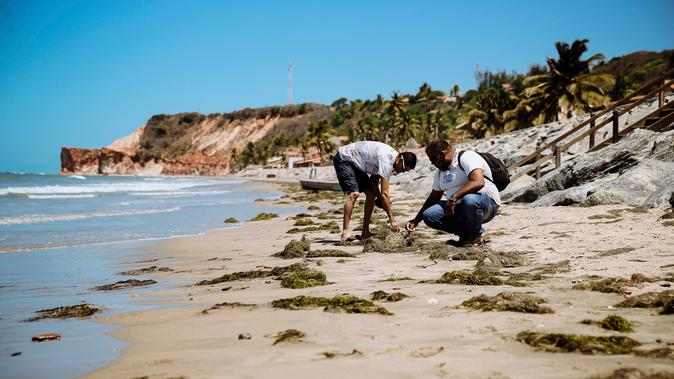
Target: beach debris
point(617, 251)
point(428, 351)
point(385, 296)
point(613, 285)
point(245, 336)
point(122, 284)
point(145, 270)
point(612, 322)
point(299, 216)
point(478, 277)
point(231, 220)
point(228, 305)
point(650, 300)
point(289, 336)
point(507, 301)
point(329, 253)
point(304, 222)
point(264, 216)
point(46, 337)
point(15, 354)
point(396, 279)
point(558, 342)
point(385, 242)
point(331, 227)
point(255, 274)
point(304, 279)
point(339, 354)
point(553, 268)
point(635, 373)
point(294, 249)
point(432, 301)
point(71, 311)
point(660, 352)
point(527, 276)
point(340, 303)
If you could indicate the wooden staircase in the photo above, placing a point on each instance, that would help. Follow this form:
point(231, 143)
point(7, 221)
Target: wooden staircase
point(657, 120)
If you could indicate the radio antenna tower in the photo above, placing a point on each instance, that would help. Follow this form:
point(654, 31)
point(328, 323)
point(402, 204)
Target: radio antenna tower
point(290, 83)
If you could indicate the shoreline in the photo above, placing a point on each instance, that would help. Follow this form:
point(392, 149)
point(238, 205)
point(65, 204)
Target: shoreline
point(427, 336)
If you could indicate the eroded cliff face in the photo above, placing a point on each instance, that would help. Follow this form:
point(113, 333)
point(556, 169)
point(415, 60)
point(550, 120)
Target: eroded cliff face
point(191, 143)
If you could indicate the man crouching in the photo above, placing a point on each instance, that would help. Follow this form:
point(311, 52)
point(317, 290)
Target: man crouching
point(363, 167)
point(471, 200)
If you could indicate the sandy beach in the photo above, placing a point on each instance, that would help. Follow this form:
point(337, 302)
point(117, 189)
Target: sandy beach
point(428, 333)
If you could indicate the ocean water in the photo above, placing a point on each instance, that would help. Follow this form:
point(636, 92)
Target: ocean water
point(62, 235)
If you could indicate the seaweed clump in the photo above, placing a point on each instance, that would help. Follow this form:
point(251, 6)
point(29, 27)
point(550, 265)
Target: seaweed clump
point(558, 342)
point(289, 336)
point(339, 303)
point(304, 279)
point(474, 278)
point(122, 284)
point(385, 296)
point(295, 249)
point(664, 299)
point(396, 279)
point(231, 220)
point(613, 285)
point(336, 354)
point(634, 373)
point(228, 305)
point(304, 222)
point(145, 270)
point(329, 253)
point(554, 268)
point(71, 311)
point(254, 274)
point(385, 242)
point(264, 216)
point(612, 322)
point(508, 301)
point(330, 227)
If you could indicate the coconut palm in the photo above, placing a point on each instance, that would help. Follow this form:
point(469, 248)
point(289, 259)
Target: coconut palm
point(568, 87)
point(319, 134)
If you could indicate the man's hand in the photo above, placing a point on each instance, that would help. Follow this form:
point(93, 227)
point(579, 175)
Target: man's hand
point(395, 228)
point(449, 206)
point(411, 225)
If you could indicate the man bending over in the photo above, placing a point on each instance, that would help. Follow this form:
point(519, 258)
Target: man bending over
point(367, 166)
point(472, 197)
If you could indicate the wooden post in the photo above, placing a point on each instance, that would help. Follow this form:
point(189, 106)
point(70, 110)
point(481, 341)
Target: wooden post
point(558, 156)
point(591, 135)
point(661, 95)
point(615, 126)
point(538, 166)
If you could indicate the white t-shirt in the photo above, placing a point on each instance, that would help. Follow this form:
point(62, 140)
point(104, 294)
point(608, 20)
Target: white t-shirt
point(373, 158)
point(455, 177)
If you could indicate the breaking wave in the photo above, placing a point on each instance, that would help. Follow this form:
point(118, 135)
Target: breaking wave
point(38, 218)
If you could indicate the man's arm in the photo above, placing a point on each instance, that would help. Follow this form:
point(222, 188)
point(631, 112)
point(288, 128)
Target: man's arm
point(432, 199)
point(385, 197)
point(473, 185)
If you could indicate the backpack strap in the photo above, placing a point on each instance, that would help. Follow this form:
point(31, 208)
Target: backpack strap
point(464, 170)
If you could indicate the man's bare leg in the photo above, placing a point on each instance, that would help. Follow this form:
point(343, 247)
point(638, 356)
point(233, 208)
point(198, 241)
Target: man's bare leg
point(348, 210)
point(369, 207)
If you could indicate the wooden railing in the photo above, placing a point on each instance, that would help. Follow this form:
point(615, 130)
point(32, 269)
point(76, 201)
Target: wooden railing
point(557, 146)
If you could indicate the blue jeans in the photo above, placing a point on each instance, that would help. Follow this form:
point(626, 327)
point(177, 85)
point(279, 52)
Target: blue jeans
point(470, 213)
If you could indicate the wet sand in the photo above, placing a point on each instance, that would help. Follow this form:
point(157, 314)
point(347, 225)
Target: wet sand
point(427, 335)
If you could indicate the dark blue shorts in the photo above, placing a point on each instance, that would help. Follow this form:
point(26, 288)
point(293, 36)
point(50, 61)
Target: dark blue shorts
point(351, 179)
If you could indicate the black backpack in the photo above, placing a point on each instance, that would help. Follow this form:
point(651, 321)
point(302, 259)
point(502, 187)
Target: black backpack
point(499, 171)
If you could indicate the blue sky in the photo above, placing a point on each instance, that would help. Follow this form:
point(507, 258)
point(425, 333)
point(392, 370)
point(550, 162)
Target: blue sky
point(83, 73)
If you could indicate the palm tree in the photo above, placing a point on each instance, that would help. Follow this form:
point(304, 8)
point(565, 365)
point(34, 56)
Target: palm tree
point(319, 134)
point(394, 115)
point(484, 115)
point(568, 87)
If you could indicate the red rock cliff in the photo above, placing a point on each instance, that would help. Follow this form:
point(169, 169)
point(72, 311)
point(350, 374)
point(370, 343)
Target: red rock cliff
point(191, 143)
